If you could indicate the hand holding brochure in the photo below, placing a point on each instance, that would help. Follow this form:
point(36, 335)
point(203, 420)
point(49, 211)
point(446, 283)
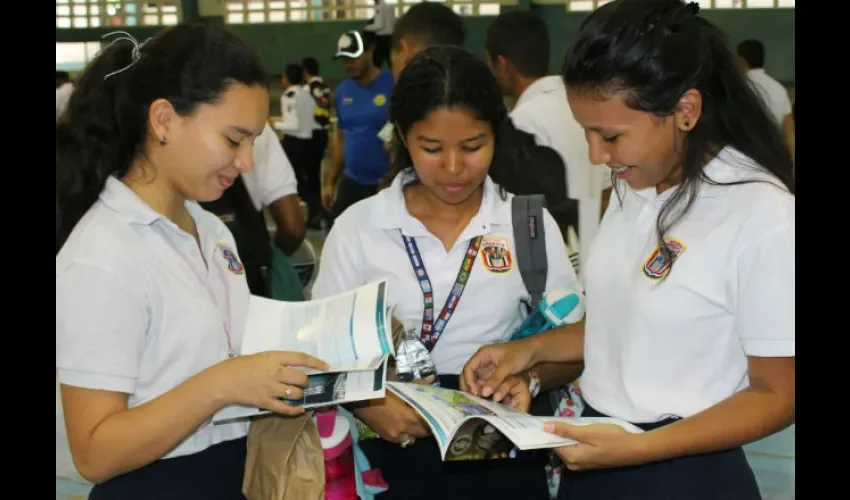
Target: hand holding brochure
point(467, 427)
point(348, 331)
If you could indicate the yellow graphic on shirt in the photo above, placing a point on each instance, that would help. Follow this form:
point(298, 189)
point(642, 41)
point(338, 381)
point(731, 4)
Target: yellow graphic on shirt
point(380, 100)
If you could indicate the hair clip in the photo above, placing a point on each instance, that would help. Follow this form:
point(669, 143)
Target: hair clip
point(135, 55)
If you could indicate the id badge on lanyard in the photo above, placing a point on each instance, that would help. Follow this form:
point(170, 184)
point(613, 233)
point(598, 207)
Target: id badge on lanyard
point(432, 329)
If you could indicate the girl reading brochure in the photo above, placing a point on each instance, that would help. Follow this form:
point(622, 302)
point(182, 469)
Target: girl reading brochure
point(442, 234)
point(690, 327)
point(151, 296)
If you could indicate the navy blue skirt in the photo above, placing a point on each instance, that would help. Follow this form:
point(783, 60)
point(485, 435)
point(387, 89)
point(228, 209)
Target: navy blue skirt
point(213, 474)
point(723, 475)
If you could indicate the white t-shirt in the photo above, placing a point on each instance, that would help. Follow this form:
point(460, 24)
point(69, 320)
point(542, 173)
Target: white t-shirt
point(272, 177)
point(656, 348)
point(365, 245)
point(543, 111)
point(384, 21)
point(774, 95)
point(132, 312)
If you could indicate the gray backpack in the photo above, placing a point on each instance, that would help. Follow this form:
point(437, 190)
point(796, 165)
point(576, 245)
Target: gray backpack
point(530, 242)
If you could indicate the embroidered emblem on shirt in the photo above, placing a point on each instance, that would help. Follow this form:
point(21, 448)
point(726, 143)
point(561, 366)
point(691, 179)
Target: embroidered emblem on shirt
point(229, 256)
point(347, 100)
point(380, 100)
point(496, 255)
point(656, 266)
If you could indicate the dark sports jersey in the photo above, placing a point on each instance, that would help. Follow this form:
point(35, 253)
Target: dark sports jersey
point(322, 95)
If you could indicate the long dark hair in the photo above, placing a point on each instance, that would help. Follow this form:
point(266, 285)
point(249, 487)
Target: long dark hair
point(652, 52)
point(443, 76)
point(106, 124)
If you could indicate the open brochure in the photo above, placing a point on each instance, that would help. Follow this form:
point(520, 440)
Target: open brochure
point(349, 331)
point(467, 427)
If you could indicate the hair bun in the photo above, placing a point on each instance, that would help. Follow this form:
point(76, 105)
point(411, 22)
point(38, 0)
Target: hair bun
point(692, 8)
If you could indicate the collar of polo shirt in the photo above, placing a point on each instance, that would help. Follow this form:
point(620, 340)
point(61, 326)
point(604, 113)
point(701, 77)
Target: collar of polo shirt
point(390, 211)
point(541, 86)
point(121, 199)
point(723, 169)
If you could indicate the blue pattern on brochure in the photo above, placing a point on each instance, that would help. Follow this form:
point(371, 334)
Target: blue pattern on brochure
point(351, 328)
point(380, 311)
point(434, 425)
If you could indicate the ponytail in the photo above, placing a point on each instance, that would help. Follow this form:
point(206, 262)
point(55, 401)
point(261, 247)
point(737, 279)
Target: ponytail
point(105, 126)
point(92, 143)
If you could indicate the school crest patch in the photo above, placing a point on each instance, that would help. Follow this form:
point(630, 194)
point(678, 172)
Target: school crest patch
point(380, 100)
point(496, 255)
point(656, 266)
point(230, 258)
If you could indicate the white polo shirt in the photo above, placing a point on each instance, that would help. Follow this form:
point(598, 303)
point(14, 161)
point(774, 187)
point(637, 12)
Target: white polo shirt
point(656, 348)
point(272, 177)
point(365, 245)
point(773, 93)
point(543, 110)
point(132, 314)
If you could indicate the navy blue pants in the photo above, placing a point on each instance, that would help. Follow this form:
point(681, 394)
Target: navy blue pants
point(213, 474)
point(724, 475)
point(418, 473)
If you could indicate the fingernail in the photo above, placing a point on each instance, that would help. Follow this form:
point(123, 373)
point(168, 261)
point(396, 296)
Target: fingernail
point(549, 427)
point(498, 396)
point(486, 392)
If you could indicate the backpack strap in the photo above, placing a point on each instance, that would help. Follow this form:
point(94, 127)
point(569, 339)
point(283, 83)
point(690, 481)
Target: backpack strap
point(530, 242)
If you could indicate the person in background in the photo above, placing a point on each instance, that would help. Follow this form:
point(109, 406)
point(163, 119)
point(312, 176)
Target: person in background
point(382, 25)
point(362, 103)
point(151, 296)
point(518, 49)
point(322, 95)
point(297, 107)
point(690, 319)
point(442, 212)
point(424, 25)
point(773, 93)
point(270, 184)
point(273, 184)
point(64, 88)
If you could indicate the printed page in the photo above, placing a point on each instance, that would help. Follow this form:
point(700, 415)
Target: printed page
point(526, 432)
point(446, 409)
point(468, 427)
point(348, 331)
point(325, 389)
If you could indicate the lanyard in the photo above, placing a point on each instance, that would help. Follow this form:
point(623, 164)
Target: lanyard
point(431, 330)
point(231, 353)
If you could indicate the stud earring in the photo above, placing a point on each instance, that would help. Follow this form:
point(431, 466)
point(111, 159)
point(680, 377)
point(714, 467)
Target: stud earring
point(163, 141)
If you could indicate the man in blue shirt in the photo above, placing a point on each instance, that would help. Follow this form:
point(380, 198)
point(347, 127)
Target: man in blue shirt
point(362, 104)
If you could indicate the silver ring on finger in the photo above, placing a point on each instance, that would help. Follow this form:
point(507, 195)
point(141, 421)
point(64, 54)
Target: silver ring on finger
point(407, 442)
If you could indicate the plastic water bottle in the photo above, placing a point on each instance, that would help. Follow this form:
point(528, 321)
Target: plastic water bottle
point(412, 360)
point(335, 435)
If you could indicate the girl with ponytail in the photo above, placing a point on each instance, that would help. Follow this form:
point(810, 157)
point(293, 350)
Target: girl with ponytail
point(151, 296)
point(690, 282)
